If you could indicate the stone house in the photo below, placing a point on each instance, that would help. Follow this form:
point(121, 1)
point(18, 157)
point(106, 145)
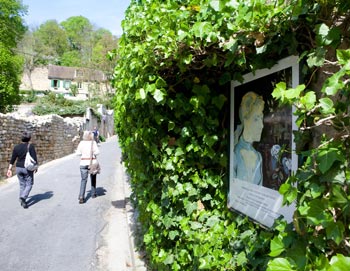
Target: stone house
point(61, 79)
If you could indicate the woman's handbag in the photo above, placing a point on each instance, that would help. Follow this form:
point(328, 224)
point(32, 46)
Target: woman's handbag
point(29, 163)
point(94, 168)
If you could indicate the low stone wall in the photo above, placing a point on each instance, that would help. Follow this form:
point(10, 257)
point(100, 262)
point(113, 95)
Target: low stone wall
point(52, 135)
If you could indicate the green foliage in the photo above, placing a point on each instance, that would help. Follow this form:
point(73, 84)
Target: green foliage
point(171, 114)
point(28, 97)
point(74, 43)
point(50, 43)
point(11, 30)
point(53, 103)
point(322, 217)
point(57, 104)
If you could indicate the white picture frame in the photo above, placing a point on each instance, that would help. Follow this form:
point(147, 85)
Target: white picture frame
point(258, 196)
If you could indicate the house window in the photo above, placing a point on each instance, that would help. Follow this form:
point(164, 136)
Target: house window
point(55, 83)
point(80, 85)
point(66, 84)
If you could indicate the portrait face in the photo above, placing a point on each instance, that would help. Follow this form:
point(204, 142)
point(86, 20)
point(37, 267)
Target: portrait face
point(253, 124)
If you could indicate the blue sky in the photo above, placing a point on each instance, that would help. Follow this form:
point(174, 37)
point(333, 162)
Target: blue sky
point(107, 14)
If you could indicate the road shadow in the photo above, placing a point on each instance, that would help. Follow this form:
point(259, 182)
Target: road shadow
point(100, 191)
point(39, 197)
point(121, 203)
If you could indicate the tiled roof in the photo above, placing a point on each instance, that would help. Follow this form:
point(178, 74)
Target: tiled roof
point(73, 73)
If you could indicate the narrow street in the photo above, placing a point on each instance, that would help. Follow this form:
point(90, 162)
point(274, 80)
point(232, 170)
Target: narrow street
point(56, 233)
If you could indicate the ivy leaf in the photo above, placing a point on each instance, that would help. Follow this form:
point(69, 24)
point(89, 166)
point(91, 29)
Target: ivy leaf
point(210, 140)
point(179, 151)
point(201, 29)
point(219, 101)
point(226, 77)
point(343, 57)
point(160, 83)
point(339, 195)
point(335, 231)
point(215, 4)
point(241, 258)
point(169, 165)
point(280, 264)
point(171, 125)
point(316, 212)
point(212, 221)
point(316, 190)
point(158, 95)
point(173, 234)
point(276, 247)
point(339, 263)
point(326, 159)
point(142, 94)
point(190, 207)
point(308, 100)
point(333, 84)
point(195, 225)
point(280, 92)
point(327, 36)
point(169, 259)
point(289, 192)
point(326, 105)
point(317, 57)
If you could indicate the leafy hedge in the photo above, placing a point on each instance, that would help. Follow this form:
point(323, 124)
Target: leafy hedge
point(176, 60)
point(52, 103)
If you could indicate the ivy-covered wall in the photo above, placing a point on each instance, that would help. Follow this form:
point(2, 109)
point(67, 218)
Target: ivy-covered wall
point(175, 63)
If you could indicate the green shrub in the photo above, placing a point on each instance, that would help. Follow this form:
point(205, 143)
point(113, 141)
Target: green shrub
point(172, 118)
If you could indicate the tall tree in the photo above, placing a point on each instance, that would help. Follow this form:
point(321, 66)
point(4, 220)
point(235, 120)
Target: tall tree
point(79, 32)
point(11, 31)
point(104, 42)
point(51, 42)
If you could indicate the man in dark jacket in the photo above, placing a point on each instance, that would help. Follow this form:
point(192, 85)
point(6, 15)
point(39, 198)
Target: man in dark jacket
point(25, 177)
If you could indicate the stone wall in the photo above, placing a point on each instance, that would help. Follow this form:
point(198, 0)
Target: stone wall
point(52, 135)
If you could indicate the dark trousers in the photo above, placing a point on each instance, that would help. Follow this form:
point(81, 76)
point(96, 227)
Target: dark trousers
point(84, 172)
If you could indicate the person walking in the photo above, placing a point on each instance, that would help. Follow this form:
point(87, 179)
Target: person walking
point(25, 177)
point(88, 150)
point(96, 135)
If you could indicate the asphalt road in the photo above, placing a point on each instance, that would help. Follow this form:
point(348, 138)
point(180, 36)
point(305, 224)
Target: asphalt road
point(56, 233)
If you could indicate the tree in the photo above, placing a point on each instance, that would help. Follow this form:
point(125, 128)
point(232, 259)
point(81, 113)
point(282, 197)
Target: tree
point(79, 31)
point(51, 42)
point(104, 42)
point(11, 31)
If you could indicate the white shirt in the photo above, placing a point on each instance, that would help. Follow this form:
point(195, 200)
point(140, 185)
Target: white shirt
point(84, 149)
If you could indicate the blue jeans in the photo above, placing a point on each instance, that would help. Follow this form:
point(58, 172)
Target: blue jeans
point(84, 172)
point(26, 180)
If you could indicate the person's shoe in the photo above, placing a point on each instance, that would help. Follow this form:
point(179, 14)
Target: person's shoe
point(23, 203)
point(81, 200)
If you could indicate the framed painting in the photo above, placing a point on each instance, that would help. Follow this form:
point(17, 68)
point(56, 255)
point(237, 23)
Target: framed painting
point(262, 148)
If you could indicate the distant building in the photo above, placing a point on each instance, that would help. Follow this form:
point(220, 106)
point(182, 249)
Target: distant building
point(61, 79)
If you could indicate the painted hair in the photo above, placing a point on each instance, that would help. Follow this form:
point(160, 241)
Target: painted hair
point(250, 102)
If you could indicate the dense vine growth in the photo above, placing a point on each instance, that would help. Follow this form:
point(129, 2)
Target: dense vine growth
point(175, 62)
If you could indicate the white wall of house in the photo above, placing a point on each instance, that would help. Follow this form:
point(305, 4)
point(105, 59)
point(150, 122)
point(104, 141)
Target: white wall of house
point(39, 79)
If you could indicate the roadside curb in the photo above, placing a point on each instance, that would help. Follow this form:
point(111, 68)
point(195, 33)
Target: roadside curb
point(137, 258)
